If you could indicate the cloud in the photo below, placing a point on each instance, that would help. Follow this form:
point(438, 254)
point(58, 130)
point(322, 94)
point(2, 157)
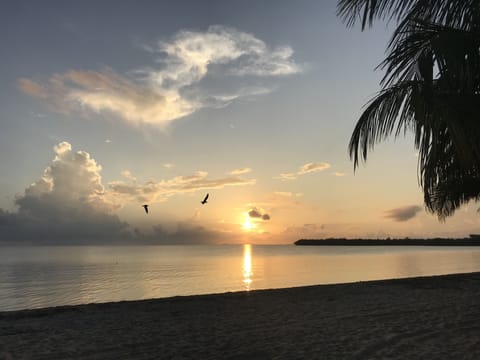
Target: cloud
point(285, 194)
point(254, 213)
point(128, 175)
point(67, 204)
point(326, 230)
point(339, 174)
point(190, 53)
point(173, 89)
point(305, 231)
point(106, 92)
point(32, 88)
point(403, 213)
point(257, 213)
point(186, 233)
point(168, 166)
point(312, 167)
point(304, 169)
point(240, 171)
point(287, 176)
point(72, 177)
point(190, 232)
point(280, 201)
point(158, 191)
point(266, 62)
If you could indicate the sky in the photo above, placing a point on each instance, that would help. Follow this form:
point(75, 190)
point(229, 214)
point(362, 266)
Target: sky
point(109, 105)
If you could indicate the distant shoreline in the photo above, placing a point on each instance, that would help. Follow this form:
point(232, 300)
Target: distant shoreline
point(473, 240)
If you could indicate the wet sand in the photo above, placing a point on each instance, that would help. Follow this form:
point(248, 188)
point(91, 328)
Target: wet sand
point(418, 318)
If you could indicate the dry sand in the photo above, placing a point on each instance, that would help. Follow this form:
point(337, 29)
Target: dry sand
point(421, 318)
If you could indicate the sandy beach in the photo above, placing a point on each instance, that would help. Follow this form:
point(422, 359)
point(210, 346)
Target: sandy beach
point(418, 318)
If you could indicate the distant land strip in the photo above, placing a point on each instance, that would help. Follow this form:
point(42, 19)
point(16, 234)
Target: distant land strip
point(473, 240)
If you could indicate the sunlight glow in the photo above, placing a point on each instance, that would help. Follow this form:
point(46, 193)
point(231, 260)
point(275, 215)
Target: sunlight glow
point(247, 266)
point(248, 225)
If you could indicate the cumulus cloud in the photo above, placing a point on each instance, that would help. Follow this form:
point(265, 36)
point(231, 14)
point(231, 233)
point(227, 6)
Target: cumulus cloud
point(67, 204)
point(304, 169)
point(72, 177)
point(175, 89)
point(240, 171)
point(257, 213)
point(403, 213)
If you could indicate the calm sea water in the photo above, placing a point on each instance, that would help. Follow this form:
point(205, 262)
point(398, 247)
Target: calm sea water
point(33, 277)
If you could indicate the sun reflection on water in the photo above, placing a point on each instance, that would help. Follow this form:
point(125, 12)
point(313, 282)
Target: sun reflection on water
point(247, 266)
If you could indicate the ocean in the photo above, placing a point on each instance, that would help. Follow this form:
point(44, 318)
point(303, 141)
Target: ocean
point(35, 277)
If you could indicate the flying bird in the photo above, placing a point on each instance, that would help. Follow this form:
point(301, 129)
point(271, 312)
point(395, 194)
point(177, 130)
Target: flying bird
point(204, 201)
point(145, 207)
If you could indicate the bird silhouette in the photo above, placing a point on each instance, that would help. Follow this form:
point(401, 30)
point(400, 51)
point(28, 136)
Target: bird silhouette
point(145, 207)
point(204, 201)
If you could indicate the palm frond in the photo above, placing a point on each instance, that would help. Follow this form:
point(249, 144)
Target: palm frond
point(446, 46)
point(391, 110)
point(457, 13)
point(369, 10)
point(452, 187)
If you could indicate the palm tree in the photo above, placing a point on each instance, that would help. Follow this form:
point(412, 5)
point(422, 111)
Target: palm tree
point(431, 87)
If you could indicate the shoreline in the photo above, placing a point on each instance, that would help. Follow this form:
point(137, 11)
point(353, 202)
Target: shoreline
point(236, 293)
point(419, 317)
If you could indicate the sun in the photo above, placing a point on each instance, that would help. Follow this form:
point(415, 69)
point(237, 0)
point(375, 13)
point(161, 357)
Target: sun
point(248, 225)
